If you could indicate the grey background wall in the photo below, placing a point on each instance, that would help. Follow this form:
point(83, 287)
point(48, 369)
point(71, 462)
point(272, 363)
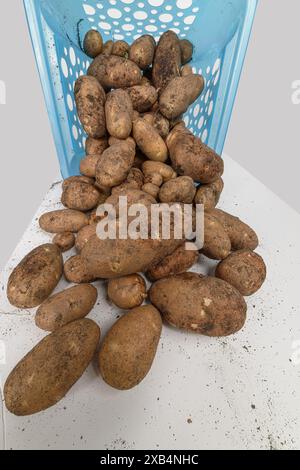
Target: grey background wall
point(263, 135)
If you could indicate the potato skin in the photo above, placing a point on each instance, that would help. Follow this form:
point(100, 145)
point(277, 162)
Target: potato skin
point(149, 141)
point(143, 97)
point(216, 241)
point(90, 98)
point(84, 235)
point(142, 51)
point(62, 221)
point(187, 50)
point(93, 43)
point(77, 179)
point(77, 271)
point(167, 60)
point(180, 189)
point(88, 165)
point(159, 122)
point(65, 307)
point(35, 277)
point(95, 146)
point(114, 165)
point(45, 375)
point(108, 47)
point(245, 270)
point(129, 349)
point(179, 94)
point(209, 194)
point(64, 241)
point(80, 196)
point(127, 292)
point(115, 72)
point(120, 48)
point(119, 113)
point(134, 180)
point(176, 263)
point(241, 235)
point(190, 157)
point(204, 305)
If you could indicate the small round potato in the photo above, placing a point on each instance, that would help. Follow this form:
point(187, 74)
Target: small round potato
point(64, 241)
point(62, 221)
point(120, 48)
point(149, 141)
point(178, 262)
point(90, 99)
point(80, 196)
point(88, 165)
point(128, 351)
point(216, 241)
point(93, 43)
point(127, 292)
point(187, 50)
point(245, 270)
point(181, 189)
point(65, 307)
point(76, 271)
point(119, 114)
point(142, 51)
point(35, 277)
point(95, 146)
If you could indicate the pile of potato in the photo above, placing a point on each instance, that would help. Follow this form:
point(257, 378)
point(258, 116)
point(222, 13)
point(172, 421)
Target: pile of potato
point(130, 105)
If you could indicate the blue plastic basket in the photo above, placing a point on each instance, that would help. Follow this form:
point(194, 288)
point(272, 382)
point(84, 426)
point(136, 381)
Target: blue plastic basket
point(219, 29)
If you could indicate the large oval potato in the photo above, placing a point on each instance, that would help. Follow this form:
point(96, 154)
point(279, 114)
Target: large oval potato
point(205, 305)
point(179, 94)
point(114, 165)
point(115, 72)
point(62, 221)
point(180, 189)
point(119, 114)
point(143, 97)
point(90, 98)
point(245, 270)
point(127, 292)
point(48, 372)
point(241, 235)
point(36, 276)
point(70, 305)
point(190, 157)
point(167, 60)
point(80, 196)
point(142, 51)
point(217, 243)
point(176, 263)
point(129, 349)
point(149, 141)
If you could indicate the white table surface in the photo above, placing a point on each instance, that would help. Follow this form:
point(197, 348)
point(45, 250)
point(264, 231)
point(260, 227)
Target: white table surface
point(241, 392)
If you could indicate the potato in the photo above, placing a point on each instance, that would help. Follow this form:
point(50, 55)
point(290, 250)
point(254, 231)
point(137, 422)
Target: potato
point(90, 99)
point(64, 241)
point(114, 165)
point(80, 196)
point(241, 235)
point(129, 349)
point(134, 180)
point(65, 307)
point(115, 72)
point(108, 48)
point(84, 235)
point(245, 270)
point(143, 97)
point(93, 43)
point(88, 165)
point(77, 271)
point(179, 94)
point(119, 114)
point(48, 372)
point(127, 292)
point(159, 122)
point(35, 277)
point(154, 168)
point(204, 305)
point(77, 179)
point(209, 194)
point(190, 157)
point(151, 189)
point(167, 60)
point(186, 70)
point(216, 241)
point(120, 48)
point(62, 221)
point(142, 51)
point(187, 50)
point(180, 189)
point(95, 146)
point(149, 141)
point(180, 261)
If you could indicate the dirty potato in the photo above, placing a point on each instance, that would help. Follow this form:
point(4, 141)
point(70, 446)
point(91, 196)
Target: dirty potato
point(187, 50)
point(76, 271)
point(114, 165)
point(62, 221)
point(95, 146)
point(120, 48)
point(142, 51)
point(77, 179)
point(88, 165)
point(127, 292)
point(143, 97)
point(167, 60)
point(108, 48)
point(181, 189)
point(216, 241)
point(81, 197)
point(90, 99)
point(149, 141)
point(209, 194)
point(159, 122)
point(176, 263)
point(119, 114)
point(65, 241)
point(84, 235)
point(115, 72)
point(93, 43)
point(179, 94)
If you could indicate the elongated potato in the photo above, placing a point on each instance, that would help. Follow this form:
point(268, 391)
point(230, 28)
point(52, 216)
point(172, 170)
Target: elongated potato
point(142, 51)
point(119, 114)
point(65, 241)
point(216, 241)
point(77, 271)
point(80, 196)
point(180, 189)
point(127, 292)
point(48, 372)
point(204, 305)
point(167, 60)
point(209, 194)
point(35, 277)
point(149, 141)
point(95, 146)
point(114, 165)
point(180, 261)
point(179, 94)
point(62, 221)
point(115, 72)
point(143, 97)
point(190, 157)
point(67, 306)
point(129, 349)
point(90, 98)
point(84, 235)
point(245, 270)
point(241, 235)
